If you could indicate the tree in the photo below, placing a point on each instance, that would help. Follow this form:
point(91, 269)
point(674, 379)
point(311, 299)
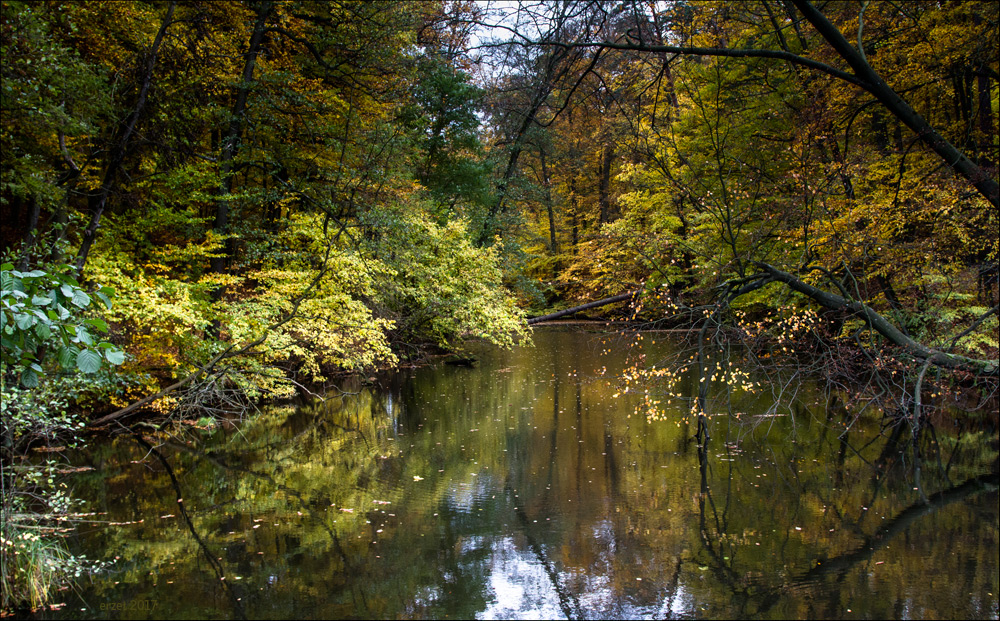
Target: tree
point(863, 76)
point(243, 162)
point(99, 200)
point(780, 166)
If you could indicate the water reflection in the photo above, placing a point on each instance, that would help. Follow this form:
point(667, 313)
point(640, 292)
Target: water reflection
point(524, 489)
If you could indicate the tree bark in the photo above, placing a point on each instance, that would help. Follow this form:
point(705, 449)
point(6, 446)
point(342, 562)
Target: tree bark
point(547, 182)
point(574, 213)
point(985, 112)
point(604, 187)
point(881, 325)
point(864, 76)
point(28, 244)
point(497, 208)
point(874, 84)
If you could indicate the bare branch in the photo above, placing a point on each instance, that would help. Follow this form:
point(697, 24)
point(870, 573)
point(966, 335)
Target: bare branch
point(717, 51)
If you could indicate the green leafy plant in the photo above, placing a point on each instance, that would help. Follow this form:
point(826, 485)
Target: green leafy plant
point(42, 320)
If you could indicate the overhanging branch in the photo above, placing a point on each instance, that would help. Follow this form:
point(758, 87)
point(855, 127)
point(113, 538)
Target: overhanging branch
point(883, 326)
point(716, 51)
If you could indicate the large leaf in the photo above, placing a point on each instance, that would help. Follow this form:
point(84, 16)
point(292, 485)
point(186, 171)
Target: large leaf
point(67, 357)
point(104, 294)
point(83, 336)
point(115, 356)
point(98, 324)
point(105, 299)
point(80, 299)
point(88, 361)
point(24, 321)
point(43, 331)
point(29, 379)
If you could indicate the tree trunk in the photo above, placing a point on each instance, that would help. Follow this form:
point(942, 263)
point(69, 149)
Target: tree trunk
point(985, 112)
point(548, 77)
point(547, 182)
point(881, 325)
point(574, 213)
point(604, 187)
point(30, 235)
point(99, 201)
point(231, 140)
point(875, 85)
point(576, 309)
point(863, 77)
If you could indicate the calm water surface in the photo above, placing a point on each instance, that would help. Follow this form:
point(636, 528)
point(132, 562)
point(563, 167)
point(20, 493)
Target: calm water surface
point(524, 488)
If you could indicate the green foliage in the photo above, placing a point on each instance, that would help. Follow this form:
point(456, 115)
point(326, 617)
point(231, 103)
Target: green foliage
point(450, 159)
point(332, 328)
point(55, 345)
point(43, 320)
point(164, 295)
point(36, 499)
point(339, 121)
point(34, 566)
point(35, 561)
point(49, 94)
point(44, 411)
point(445, 289)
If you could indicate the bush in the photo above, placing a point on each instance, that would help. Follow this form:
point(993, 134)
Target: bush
point(42, 320)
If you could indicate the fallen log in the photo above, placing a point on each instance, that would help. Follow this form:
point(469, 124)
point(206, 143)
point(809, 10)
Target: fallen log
point(576, 309)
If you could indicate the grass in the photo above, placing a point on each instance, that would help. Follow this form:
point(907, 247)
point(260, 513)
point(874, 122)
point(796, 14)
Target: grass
point(33, 566)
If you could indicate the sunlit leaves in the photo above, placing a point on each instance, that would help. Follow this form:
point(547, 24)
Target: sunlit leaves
point(446, 289)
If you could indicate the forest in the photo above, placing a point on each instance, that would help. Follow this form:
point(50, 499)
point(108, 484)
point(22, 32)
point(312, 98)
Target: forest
point(213, 205)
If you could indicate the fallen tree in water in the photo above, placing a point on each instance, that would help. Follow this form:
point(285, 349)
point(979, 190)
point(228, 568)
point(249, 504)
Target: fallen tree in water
point(577, 309)
point(874, 362)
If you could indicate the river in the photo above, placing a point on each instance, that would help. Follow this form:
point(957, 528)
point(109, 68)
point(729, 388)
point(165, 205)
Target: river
point(530, 487)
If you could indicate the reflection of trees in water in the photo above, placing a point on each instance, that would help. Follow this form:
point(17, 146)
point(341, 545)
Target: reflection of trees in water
point(593, 513)
point(858, 457)
point(754, 595)
point(220, 573)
